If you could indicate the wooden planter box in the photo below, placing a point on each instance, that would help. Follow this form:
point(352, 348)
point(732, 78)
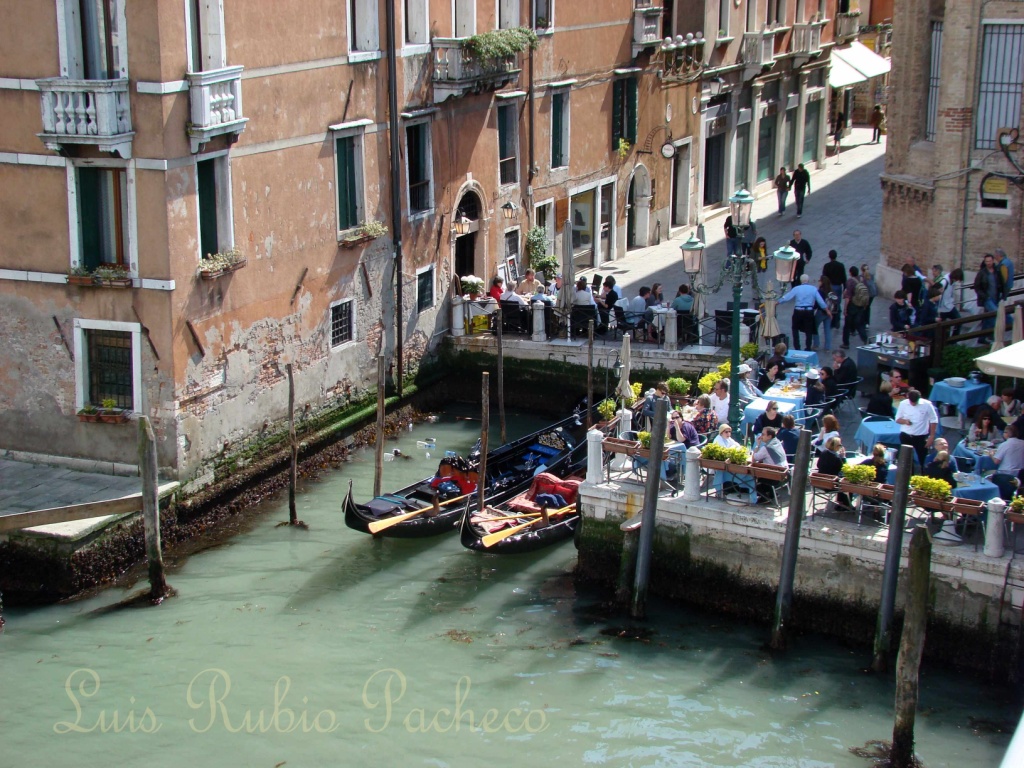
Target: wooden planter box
point(968, 506)
point(113, 417)
point(645, 453)
point(113, 282)
point(80, 280)
point(824, 482)
point(928, 503)
point(860, 489)
point(712, 464)
point(768, 471)
point(88, 417)
point(680, 399)
point(737, 469)
point(213, 274)
point(885, 492)
point(618, 445)
point(355, 242)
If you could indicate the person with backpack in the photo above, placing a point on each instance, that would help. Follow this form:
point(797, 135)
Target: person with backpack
point(783, 183)
point(822, 318)
point(835, 271)
point(949, 283)
point(857, 300)
point(868, 279)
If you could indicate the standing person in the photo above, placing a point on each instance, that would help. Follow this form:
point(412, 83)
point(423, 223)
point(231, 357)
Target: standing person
point(919, 421)
point(947, 305)
point(988, 287)
point(857, 300)
point(1005, 267)
point(806, 299)
point(901, 314)
point(801, 187)
point(868, 278)
point(837, 134)
point(802, 247)
point(732, 238)
point(929, 312)
point(782, 184)
point(759, 252)
point(821, 317)
point(912, 284)
point(835, 271)
point(877, 118)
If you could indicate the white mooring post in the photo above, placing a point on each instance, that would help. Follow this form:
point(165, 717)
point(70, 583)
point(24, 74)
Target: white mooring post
point(594, 453)
point(539, 331)
point(671, 331)
point(458, 317)
point(691, 481)
point(994, 528)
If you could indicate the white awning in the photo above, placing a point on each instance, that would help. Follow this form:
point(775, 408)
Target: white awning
point(1008, 361)
point(863, 59)
point(842, 74)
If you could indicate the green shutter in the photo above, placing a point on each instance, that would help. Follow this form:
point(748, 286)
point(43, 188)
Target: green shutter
point(345, 151)
point(89, 217)
point(209, 240)
point(557, 104)
point(616, 113)
point(630, 128)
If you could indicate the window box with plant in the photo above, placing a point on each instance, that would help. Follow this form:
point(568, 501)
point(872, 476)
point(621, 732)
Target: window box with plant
point(644, 452)
point(771, 472)
point(824, 482)
point(678, 390)
point(931, 493)
point(103, 276)
point(500, 43)
point(89, 413)
point(364, 233)
point(213, 265)
point(735, 460)
point(859, 479)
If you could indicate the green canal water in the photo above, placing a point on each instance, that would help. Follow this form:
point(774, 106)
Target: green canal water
point(325, 647)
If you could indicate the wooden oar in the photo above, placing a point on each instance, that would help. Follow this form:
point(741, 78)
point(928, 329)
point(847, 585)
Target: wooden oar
point(521, 515)
point(379, 525)
point(493, 538)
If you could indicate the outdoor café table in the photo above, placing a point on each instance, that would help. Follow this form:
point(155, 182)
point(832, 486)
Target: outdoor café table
point(970, 394)
point(659, 315)
point(884, 431)
point(757, 407)
point(978, 489)
point(982, 456)
point(747, 482)
point(802, 357)
point(787, 393)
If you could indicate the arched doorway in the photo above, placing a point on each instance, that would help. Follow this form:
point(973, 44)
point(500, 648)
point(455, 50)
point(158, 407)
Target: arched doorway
point(638, 211)
point(468, 209)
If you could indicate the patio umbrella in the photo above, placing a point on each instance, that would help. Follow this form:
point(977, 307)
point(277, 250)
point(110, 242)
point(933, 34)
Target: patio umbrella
point(568, 292)
point(1000, 330)
point(1008, 361)
point(769, 325)
point(1018, 324)
point(623, 390)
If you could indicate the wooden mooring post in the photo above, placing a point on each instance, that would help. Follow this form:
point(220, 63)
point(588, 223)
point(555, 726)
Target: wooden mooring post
point(627, 562)
point(638, 610)
point(151, 509)
point(911, 647)
point(791, 547)
point(485, 425)
point(501, 378)
point(378, 453)
point(293, 445)
point(893, 548)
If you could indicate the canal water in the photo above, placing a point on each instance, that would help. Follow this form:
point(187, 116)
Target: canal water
point(308, 648)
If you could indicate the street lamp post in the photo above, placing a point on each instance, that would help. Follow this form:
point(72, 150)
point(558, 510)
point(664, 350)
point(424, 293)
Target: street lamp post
point(739, 267)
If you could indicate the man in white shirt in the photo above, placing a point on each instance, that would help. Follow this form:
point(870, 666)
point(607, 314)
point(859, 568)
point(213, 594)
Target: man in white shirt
point(720, 400)
point(513, 297)
point(1009, 458)
point(919, 421)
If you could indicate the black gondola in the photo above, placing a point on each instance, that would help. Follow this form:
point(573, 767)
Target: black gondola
point(435, 505)
point(519, 523)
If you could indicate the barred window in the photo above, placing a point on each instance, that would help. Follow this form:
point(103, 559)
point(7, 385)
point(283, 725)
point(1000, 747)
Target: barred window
point(425, 289)
point(341, 323)
point(110, 367)
point(999, 85)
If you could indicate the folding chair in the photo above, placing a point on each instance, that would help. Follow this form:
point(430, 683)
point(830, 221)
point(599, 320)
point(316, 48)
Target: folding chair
point(848, 392)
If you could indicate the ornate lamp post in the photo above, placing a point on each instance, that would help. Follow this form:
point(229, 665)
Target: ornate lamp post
point(739, 267)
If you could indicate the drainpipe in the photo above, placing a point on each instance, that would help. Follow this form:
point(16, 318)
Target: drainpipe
point(532, 168)
point(396, 204)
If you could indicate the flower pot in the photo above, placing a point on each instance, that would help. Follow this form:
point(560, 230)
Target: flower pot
point(824, 482)
point(926, 502)
point(968, 506)
point(860, 489)
point(113, 282)
point(712, 464)
point(113, 417)
point(80, 280)
point(210, 274)
point(88, 417)
point(355, 242)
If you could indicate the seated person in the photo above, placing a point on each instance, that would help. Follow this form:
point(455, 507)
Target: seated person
point(583, 296)
point(606, 301)
point(529, 285)
point(1009, 460)
point(779, 357)
point(829, 429)
point(940, 468)
point(900, 387)
point(682, 431)
point(511, 297)
point(683, 302)
point(1008, 406)
point(880, 403)
point(941, 444)
point(984, 428)
point(845, 368)
point(878, 459)
point(789, 435)
point(831, 460)
point(768, 450)
point(815, 389)
point(828, 383)
point(770, 418)
point(747, 389)
point(772, 372)
point(720, 399)
point(705, 421)
point(724, 438)
point(497, 288)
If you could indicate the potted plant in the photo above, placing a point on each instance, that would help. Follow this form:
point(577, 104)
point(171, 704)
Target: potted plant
point(79, 275)
point(110, 413)
point(368, 230)
point(931, 493)
point(499, 43)
point(1015, 510)
point(623, 148)
point(89, 412)
point(644, 451)
point(713, 456)
point(859, 479)
point(213, 265)
point(473, 286)
point(750, 350)
point(112, 276)
point(737, 460)
point(678, 389)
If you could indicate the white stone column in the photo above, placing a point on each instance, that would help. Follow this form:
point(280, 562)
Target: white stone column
point(625, 420)
point(994, 528)
point(594, 455)
point(691, 481)
point(539, 331)
point(671, 331)
point(458, 317)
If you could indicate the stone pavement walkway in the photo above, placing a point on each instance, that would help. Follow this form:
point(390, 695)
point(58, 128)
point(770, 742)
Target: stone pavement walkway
point(27, 486)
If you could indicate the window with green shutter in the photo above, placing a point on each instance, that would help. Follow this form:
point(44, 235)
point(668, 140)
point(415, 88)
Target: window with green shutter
point(559, 123)
point(102, 212)
point(624, 111)
point(508, 143)
point(348, 200)
point(206, 174)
